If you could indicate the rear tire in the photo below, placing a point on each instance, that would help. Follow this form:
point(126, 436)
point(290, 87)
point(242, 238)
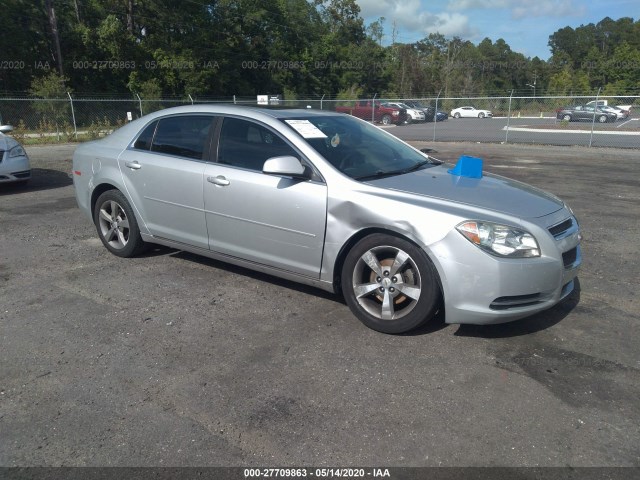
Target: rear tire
point(603, 119)
point(456, 115)
point(566, 118)
point(117, 225)
point(390, 284)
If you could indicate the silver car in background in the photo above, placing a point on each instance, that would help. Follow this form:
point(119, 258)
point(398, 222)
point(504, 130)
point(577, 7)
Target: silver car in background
point(329, 200)
point(14, 161)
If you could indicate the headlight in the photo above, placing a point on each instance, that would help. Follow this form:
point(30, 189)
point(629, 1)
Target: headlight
point(500, 240)
point(17, 151)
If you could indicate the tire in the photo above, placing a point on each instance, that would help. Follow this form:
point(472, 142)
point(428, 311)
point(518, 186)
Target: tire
point(386, 120)
point(117, 225)
point(387, 297)
point(566, 117)
point(456, 115)
point(603, 119)
point(481, 115)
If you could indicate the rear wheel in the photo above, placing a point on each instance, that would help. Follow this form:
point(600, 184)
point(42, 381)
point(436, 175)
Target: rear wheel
point(390, 284)
point(457, 115)
point(566, 118)
point(603, 119)
point(117, 225)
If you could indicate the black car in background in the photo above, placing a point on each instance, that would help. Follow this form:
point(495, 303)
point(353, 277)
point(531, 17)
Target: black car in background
point(429, 112)
point(585, 112)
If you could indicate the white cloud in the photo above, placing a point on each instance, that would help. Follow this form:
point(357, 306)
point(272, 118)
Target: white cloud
point(521, 8)
point(482, 4)
point(548, 8)
point(410, 16)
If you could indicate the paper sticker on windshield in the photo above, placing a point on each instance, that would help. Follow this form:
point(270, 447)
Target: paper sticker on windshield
point(306, 129)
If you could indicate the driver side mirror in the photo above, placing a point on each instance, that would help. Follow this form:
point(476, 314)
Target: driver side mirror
point(6, 128)
point(287, 166)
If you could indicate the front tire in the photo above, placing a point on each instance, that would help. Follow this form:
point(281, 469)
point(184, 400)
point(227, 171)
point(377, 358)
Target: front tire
point(386, 120)
point(390, 284)
point(117, 225)
point(481, 115)
point(603, 119)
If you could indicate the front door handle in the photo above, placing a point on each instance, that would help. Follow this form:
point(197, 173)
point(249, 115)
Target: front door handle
point(133, 165)
point(219, 180)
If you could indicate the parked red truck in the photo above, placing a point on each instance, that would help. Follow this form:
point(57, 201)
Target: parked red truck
point(382, 114)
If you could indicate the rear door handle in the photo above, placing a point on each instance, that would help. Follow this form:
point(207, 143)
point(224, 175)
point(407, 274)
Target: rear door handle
point(133, 165)
point(219, 180)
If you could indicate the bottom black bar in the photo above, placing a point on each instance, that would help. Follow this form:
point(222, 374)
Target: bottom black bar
point(339, 473)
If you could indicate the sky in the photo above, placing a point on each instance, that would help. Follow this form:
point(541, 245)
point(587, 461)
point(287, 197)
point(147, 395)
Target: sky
point(524, 24)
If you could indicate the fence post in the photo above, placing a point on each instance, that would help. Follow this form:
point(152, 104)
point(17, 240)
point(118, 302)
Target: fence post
point(506, 135)
point(140, 104)
point(191, 98)
point(234, 99)
point(321, 100)
point(435, 116)
point(373, 108)
point(73, 117)
point(595, 108)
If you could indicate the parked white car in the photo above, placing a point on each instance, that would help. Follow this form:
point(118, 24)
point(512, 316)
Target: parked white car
point(470, 112)
point(14, 162)
point(413, 114)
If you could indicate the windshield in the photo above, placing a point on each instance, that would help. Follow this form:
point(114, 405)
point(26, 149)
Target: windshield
point(356, 148)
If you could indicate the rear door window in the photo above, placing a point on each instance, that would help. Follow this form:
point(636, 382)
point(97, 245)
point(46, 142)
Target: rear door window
point(184, 136)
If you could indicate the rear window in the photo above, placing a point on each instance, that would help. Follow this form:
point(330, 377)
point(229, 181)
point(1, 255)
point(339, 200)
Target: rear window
point(184, 136)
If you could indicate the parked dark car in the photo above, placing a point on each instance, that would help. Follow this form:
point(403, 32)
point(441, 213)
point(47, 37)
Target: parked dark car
point(429, 111)
point(585, 112)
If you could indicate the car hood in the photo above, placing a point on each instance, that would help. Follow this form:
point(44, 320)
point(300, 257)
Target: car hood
point(492, 192)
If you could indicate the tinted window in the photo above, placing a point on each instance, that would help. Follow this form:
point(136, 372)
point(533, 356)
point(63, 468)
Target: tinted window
point(185, 136)
point(248, 145)
point(144, 140)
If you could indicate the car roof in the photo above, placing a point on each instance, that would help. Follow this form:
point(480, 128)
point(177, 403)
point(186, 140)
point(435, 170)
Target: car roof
point(249, 111)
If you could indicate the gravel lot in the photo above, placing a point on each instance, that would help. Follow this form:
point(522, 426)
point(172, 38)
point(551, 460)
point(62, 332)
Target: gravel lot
point(175, 360)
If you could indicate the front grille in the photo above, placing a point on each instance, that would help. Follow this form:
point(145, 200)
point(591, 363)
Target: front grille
point(569, 257)
point(561, 228)
point(515, 301)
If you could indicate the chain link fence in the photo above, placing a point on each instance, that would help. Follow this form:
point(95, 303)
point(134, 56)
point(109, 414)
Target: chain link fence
point(530, 120)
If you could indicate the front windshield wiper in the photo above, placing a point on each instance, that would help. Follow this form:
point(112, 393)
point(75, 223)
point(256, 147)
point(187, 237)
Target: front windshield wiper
point(382, 174)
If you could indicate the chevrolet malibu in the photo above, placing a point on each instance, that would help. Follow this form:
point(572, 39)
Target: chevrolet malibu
point(328, 200)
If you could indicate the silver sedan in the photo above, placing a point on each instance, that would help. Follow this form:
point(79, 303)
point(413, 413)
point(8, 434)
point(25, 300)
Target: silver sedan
point(329, 200)
point(14, 162)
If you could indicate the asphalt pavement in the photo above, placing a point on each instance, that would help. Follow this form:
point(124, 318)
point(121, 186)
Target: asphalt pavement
point(532, 131)
point(170, 359)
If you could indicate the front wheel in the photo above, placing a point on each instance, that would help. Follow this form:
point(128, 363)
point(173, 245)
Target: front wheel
point(603, 119)
point(390, 284)
point(481, 115)
point(117, 225)
point(386, 120)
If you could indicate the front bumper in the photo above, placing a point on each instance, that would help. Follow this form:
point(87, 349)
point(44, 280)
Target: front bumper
point(14, 169)
point(480, 288)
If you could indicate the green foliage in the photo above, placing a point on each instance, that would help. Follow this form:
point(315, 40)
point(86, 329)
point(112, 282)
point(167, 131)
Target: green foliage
point(54, 107)
point(247, 47)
